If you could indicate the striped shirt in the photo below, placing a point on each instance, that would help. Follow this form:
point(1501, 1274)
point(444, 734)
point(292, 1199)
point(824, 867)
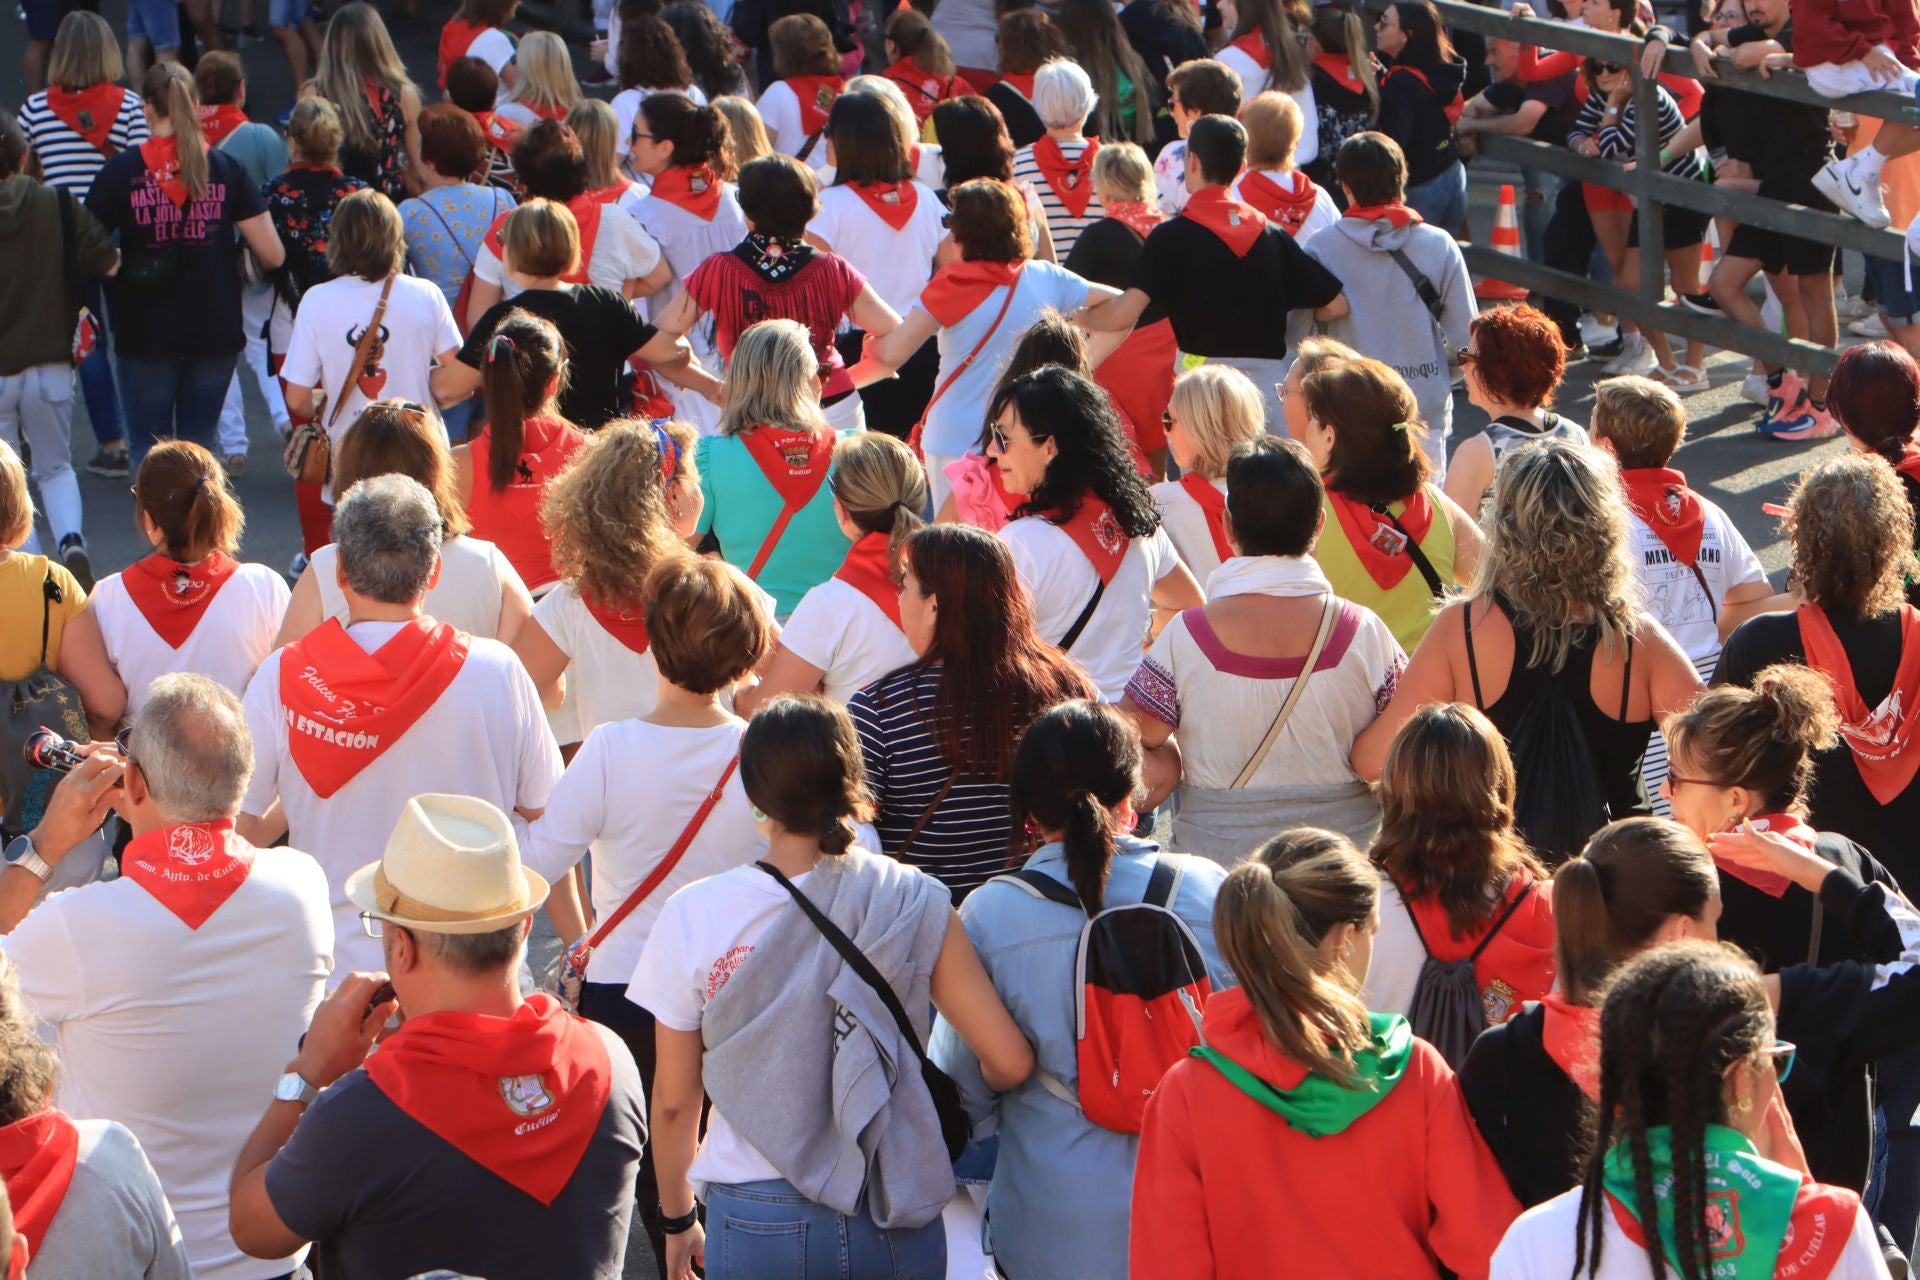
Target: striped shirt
point(1619, 141)
point(1065, 227)
point(69, 160)
point(964, 844)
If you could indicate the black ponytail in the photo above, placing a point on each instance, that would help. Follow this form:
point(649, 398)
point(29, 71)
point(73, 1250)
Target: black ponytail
point(1074, 764)
point(520, 361)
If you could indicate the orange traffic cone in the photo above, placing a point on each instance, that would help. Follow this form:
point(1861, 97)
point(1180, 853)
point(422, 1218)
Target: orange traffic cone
point(1506, 239)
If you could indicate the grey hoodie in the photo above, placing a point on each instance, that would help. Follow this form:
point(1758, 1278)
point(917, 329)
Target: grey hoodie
point(1388, 321)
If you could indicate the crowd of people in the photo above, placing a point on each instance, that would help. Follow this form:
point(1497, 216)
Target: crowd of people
point(950, 594)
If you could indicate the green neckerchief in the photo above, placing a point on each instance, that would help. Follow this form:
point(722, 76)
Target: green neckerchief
point(1318, 1106)
point(1749, 1200)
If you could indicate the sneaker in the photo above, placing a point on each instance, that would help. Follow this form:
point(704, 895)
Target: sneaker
point(1595, 332)
point(1784, 401)
point(1754, 389)
point(1700, 304)
point(1685, 379)
point(236, 464)
point(1808, 424)
point(111, 461)
point(1606, 350)
point(1849, 307)
point(73, 554)
point(1871, 327)
point(1840, 182)
point(1635, 357)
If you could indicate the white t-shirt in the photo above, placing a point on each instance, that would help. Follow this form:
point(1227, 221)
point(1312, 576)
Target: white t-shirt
point(1674, 597)
point(1170, 176)
point(955, 420)
point(606, 681)
point(495, 48)
point(419, 326)
point(178, 1033)
point(622, 251)
point(897, 264)
point(702, 937)
point(1186, 524)
point(594, 803)
point(1060, 579)
point(836, 628)
point(1253, 83)
point(779, 109)
point(232, 638)
point(1540, 1246)
point(474, 579)
point(687, 241)
point(486, 736)
point(626, 103)
point(1325, 212)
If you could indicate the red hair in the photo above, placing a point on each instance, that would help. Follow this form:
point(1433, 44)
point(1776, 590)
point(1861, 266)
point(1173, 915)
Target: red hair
point(1875, 395)
point(1521, 355)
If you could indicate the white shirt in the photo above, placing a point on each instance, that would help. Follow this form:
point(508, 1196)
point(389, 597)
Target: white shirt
point(1253, 83)
point(486, 736)
point(180, 1033)
point(606, 681)
point(626, 103)
point(1674, 597)
point(594, 803)
point(1060, 578)
point(231, 639)
point(687, 242)
point(779, 108)
point(419, 326)
point(1540, 1246)
point(1325, 212)
point(702, 937)
point(622, 251)
point(897, 264)
point(836, 628)
point(1398, 956)
point(1186, 524)
point(495, 48)
point(474, 579)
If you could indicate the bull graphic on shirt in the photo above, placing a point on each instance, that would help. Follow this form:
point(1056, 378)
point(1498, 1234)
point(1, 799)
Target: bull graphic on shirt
point(522, 473)
point(370, 377)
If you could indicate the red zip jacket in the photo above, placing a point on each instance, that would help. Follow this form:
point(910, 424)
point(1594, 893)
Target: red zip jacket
point(1225, 1189)
point(1841, 31)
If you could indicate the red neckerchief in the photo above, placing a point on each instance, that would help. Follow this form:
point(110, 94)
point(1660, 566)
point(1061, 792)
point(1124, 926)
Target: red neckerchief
point(1138, 214)
point(1340, 67)
point(1288, 208)
point(815, 95)
point(1909, 465)
point(1393, 211)
point(868, 569)
point(1238, 225)
point(630, 629)
point(893, 201)
point(694, 188)
point(1817, 1233)
point(373, 88)
point(551, 111)
point(455, 39)
point(218, 123)
point(1097, 534)
point(1071, 180)
point(608, 195)
point(172, 596)
point(162, 157)
point(501, 132)
point(1213, 505)
point(1570, 1033)
point(1377, 545)
point(89, 112)
point(1660, 497)
point(1254, 45)
point(1021, 82)
point(586, 211)
point(37, 1159)
point(925, 89)
point(190, 868)
point(1879, 739)
point(959, 287)
point(795, 463)
point(520, 1096)
point(344, 707)
point(1771, 883)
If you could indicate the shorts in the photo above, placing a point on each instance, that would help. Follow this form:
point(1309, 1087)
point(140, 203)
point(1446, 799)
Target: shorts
point(42, 18)
point(1682, 228)
point(1838, 79)
point(1888, 281)
point(288, 13)
point(1777, 252)
point(155, 21)
point(1605, 199)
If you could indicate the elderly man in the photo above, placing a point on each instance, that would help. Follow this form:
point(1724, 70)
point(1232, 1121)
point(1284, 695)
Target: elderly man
point(492, 1133)
point(177, 989)
point(351, 722)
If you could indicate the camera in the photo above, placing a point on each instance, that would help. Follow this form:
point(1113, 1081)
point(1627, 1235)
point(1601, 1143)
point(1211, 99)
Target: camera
point(45, 749)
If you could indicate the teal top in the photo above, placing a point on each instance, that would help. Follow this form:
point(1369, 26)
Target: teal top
point(741, 506)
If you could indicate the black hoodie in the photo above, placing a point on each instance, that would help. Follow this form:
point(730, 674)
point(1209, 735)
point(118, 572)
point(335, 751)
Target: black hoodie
point(1413, 103)
point(37, 313)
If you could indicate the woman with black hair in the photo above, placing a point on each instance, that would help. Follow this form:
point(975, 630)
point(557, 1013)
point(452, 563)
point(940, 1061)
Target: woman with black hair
point(1059, 1198)
point(1086, 536)
point(708, 46)
point(1165, 34)
point(974, 143)
point(1419, 101)
point(1024, 41)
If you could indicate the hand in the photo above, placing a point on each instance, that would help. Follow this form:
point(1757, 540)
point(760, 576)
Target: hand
point(80, 803)
point(1703, 59)
point(1522, 10)
point(1621, 95)
point(1885, 67)
point(1747, 846)
point(1777, 1140)
point(686, 1251)
point(1652, 54)
point(343, 1030)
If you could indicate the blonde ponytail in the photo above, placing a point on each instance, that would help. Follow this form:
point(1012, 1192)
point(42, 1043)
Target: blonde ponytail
point(1362, 64)
point(168, 88)
point(882, 486)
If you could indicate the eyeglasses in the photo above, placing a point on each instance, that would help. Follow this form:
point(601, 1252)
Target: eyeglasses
point(1467, 357)
point(823, 372)
point(372, 925)
point(638, 136)
point(123, 743)
point(1166, 419)
point(1781, 1053)
point(1675, 780)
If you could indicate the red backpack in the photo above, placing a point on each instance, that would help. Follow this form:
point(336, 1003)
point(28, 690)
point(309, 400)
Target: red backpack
point(1141, 982)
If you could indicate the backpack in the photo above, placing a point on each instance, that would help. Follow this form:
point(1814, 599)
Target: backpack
point(1140, 984)
point(40, 699)
point(1447, 1010)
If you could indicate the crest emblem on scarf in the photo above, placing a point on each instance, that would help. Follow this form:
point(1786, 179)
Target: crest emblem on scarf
point(1106, 532)
point(1724, 1238)
point(525, 1095)
point(1233, 217)
point(1671, 505)
point(823, 97)
point(183, 582)
point(189, 846)
point(797, 453)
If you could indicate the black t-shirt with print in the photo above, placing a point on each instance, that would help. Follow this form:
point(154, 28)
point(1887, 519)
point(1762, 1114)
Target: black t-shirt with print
point(1224, 305)
point(600, 329)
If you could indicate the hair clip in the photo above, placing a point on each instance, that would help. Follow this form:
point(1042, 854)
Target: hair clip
point(1401, 426)
point(500, 344)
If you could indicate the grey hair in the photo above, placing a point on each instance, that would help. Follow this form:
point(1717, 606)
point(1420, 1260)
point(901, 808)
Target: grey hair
point(192, 744)
point(474, 954)
point(387, 530)
point(1063, 94)
point(896, 99)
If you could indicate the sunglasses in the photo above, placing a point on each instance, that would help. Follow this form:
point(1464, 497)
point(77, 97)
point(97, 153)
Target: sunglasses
point(1000, 438)
point(1166, 419)
point(1467, 357)
point(1607, 68)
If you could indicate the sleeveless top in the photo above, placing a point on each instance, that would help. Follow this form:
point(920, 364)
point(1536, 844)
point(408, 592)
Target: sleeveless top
point(1618, 745)
point(1505, 432)
point(383, 169)
point(510, 518)
point(1407, 607)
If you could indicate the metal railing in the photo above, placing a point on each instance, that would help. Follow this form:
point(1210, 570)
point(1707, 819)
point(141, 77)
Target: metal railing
point(1654, 191)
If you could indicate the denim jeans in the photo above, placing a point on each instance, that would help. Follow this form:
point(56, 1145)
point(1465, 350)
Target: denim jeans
point(1442, 201)
point(769, 1231)
point(96, 376)
point(173, 398)
point(36, 406)
point(1894, 1195)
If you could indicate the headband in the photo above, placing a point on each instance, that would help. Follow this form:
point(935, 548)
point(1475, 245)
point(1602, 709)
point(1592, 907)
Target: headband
point(669, 450)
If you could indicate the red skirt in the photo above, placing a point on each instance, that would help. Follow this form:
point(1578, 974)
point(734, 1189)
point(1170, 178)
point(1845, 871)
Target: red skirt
point(1139, 377)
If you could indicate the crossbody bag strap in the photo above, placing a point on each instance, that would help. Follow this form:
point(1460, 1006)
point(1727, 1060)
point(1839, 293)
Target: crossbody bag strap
point(49, 592)
point(1329, 610)
point(368, 337)
point(667, 864)
point(806, 149)
point(450, 232)
point(1713, 606)
point(1473, 663)
point(855, 958)
point(1429, 298)
point(947, 382)
point(1414, 552)
point(926, 815)
point(1505, 916)
point(1086, 616)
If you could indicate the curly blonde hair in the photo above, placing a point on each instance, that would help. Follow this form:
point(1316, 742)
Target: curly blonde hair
point(1851, 528)
point(606, 512)
point(1557, 550)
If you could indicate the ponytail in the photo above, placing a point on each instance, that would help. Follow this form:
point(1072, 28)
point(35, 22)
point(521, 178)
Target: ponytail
point(520, 362)
point(882, 486)
point(1088, 848)
point(168, 88)
point(183, 490)
point(1611, 901)
point(1584, 933)
point(1269, 920)
point(1762, 737)
point(1075, 764)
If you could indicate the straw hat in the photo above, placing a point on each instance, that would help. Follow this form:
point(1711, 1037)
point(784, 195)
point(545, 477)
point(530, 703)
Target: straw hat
point(451, 866)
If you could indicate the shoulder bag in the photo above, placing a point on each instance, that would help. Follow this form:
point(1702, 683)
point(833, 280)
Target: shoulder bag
point(1329, 611)
point(309, 452)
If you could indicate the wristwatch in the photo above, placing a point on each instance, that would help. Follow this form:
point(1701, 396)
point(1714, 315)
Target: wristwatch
point(293, 1087)
point(20, 853)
